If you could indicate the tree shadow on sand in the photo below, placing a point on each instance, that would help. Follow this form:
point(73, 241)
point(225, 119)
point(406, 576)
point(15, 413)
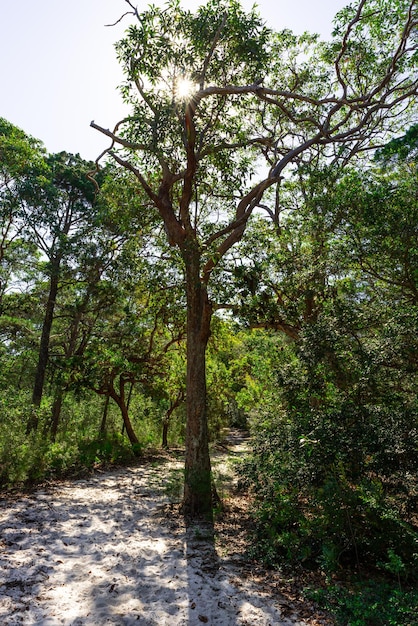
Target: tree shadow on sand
point(111, 550)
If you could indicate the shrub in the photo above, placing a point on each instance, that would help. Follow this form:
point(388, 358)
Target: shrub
point(333, 471)
point(108, 449)
point(368, 603)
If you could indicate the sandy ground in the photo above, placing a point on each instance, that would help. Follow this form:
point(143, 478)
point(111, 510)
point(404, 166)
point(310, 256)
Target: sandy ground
point(106, 550)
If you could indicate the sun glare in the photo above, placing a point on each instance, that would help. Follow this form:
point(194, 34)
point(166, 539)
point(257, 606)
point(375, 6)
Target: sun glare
point(184, 88)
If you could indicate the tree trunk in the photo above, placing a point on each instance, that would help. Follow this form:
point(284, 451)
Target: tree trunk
point(198, 487)
point(104, 418)
point(56, 413)
point(164, 441)
point(127, 406)
point(128, 425)
point(174, 404)
point(44, 349)
point(120, 401)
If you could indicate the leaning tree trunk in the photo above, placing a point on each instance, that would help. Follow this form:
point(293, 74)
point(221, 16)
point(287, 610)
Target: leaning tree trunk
point(197, 487)
point(43, 355)
point(124, 409)
point(127, 406)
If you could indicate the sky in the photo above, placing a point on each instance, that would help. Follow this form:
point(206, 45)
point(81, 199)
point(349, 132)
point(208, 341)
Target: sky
point(59, 71)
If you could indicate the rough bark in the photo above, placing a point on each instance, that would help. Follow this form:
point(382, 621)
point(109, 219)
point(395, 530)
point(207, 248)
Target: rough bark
point(198, 483)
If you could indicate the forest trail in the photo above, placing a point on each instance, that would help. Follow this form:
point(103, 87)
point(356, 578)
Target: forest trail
point(112, 549)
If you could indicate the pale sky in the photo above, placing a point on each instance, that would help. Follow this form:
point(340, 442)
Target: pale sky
point(59, 71)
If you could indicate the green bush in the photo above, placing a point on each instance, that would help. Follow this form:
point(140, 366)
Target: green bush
point(26, 460)
point(368, 603)
point(60, 458)
point(109, 449)
point(21, 456)
point(334, 468)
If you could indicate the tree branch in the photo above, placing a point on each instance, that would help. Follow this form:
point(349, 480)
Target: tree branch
point(115, 138)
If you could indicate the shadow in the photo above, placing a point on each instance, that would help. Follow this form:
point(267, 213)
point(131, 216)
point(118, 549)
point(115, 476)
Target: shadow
point(91, 552)
point(203, 567)
point(112, 550)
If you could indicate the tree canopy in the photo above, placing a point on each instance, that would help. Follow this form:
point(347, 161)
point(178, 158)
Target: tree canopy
point(218, 102)
point(244, 254)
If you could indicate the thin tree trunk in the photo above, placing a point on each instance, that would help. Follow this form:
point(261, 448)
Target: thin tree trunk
point(128, 424)
point(167, 417)
point(164, 442)
point(127, 406)
point(104, 417)
point(198, 483)
point(43, 355)
point(56, 413)
point(120, 401)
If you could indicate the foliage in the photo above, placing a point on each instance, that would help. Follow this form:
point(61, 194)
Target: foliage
point(26, 460)
point(331, 460)
point(108, 449)
point(371, 603)
point(334, 472)
point(400, 149)
point(19, 153)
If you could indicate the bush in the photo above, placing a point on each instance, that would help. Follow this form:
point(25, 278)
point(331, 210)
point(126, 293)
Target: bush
point(368, 603)
point(26, 460)
point(109, 449)
point(334, 466)
point(21, 456)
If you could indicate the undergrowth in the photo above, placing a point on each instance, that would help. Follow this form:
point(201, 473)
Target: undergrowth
point(368, 603)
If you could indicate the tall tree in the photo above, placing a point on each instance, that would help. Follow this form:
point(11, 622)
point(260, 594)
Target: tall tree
point(19, 153)
point(58, 212)
point(214, 94)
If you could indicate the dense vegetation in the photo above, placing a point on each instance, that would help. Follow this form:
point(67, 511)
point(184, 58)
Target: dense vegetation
point(298, 294)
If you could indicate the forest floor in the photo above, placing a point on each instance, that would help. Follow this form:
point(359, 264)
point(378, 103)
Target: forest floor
point(112, 548)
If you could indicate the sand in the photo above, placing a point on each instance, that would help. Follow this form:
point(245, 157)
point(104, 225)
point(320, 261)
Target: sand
point(107, 550)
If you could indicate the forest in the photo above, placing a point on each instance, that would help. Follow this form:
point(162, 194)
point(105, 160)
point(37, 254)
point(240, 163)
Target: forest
point(243, 255)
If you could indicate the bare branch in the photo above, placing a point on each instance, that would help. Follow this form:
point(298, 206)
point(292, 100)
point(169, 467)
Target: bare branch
point(133, 12)
point(120, 19)
point(116, 139)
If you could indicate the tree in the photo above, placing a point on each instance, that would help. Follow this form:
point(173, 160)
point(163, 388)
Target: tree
point(118, 330)
point(83, 301)
point(334, 466)
point(57, 203)
point(19, 153)
point(206, 111)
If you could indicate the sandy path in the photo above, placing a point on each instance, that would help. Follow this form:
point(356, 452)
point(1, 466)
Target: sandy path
point(104, 551)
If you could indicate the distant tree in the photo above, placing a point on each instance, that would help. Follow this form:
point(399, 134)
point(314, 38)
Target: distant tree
point(129, 347)
point(19, 153)
point(215, 94)
point(57, 209)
